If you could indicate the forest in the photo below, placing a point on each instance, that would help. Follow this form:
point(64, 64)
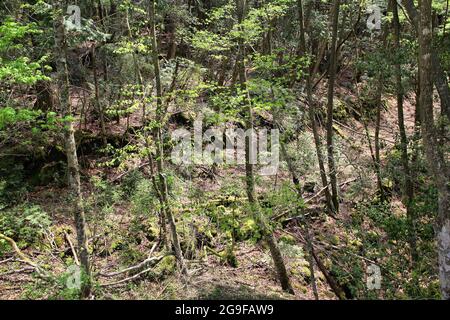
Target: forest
point(224, 149)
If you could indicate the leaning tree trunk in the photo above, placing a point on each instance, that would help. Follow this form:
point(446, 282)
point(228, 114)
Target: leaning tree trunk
point(267, 235)
point(434, 147)
point(70, 145)
point(157, 132)
point(330, 97)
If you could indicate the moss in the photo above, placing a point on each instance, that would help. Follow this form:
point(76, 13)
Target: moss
point(287, 238)
point(334, 240)
point(58, 231)
point(301, 288)
point(152, 232)
point(230, 258)
point(166, 266)
point(116, 245)
point(305, 271)
point(249, 229)
point(372, 236)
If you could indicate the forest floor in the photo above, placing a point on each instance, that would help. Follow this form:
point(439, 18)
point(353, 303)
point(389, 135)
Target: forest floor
point(254, 277)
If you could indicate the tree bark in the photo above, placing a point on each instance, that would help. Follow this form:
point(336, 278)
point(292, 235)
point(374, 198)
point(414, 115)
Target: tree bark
point(312, 111)
point(440, 77)
point(70, 145)
point(330, 97)
point(157, 132)
point(408, 185)
point(378, 102)
point(434, 148)
point(98, 104)
point(250, 181)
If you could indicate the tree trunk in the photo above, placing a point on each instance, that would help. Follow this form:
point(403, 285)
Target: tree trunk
point(434, 149)
point(267, 235)
point(70, 145)
point(330, 97)
point(312, 111)
point(157, 132)
point(300, 212)
point(379, 103)
point(408, 186)
point(98, 104)
point(439, 75)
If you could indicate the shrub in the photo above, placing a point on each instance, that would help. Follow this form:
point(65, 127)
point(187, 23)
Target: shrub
point(25, 224)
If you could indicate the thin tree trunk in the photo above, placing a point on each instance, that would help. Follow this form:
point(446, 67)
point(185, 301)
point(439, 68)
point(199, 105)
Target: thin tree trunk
point(408, 186)
point(171, 31)
point(310, 248)
point(267, 235)
point(330, 97)
point(300, 212)
point(70, 145)
point(98, 105)
point(379, 103)
point(434, 149)
point(140, 80)
point(312, 112)
point(160, 144)
point(137, 69)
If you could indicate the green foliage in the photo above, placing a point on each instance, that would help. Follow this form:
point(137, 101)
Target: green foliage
point(26, 224)
point(130, 182)
point(284, 199)
point(12, 188)
point(228, 31)
point(88, 32)
point(119, 155)
point(19, 69)
point(55, 288)
point(166, 266)
point(10, 116)
point(103, 198)
point(144, 201)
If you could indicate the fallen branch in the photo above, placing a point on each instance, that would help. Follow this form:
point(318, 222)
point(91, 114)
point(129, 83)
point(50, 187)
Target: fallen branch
point(310, 199)
point(16, 271)
point(75, 257)
point(360, 133)
point(120, 176)
point(317, 194)
point(140, 265)
point(6, 260)
point(324, 188)
point(330, 279)
point(24, 258)
point(335, 287)
point(159, 258)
